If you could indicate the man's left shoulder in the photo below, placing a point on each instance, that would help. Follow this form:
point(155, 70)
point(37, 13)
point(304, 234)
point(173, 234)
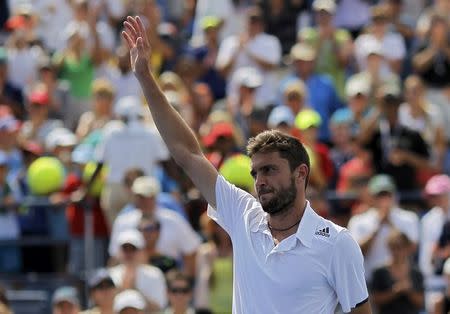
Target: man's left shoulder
point(328, 231)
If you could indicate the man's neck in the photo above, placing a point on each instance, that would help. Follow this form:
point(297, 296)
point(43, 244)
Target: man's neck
point(285, 224)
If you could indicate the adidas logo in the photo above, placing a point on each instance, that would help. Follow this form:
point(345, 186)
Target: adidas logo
point(325, 232)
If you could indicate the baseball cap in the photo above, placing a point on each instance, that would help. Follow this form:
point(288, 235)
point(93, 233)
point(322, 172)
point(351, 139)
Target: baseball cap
point(60, 137)
point(307, 118)
point(373, 47)
point(129, 299)
point(341, 116)
point(357, 86)
point(133, 237)
point(381, 183)
point(101, 275)
point(280, 114)
point(302, 51)
point(39, 97)
point(248, 77)
point(325, 5)
point(219, 129)
point(129, 107)
point(146, 186)
point(210, 21)
point(68, 294)
point(438, 184)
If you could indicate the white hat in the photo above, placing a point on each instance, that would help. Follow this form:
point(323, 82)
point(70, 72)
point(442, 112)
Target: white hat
point(326, 5)
point(60, 137)
point(446, 269)
point(146, 186)
point(280, 114)
point(129, 299)
point(373, 47)
point(248, 77)
point(133, 237)
point(129, 107)
point(357, 85)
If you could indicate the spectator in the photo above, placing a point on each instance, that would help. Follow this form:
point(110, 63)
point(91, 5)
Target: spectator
point(398, 286)
point(282, 119)
point(9, 94)
point(65, 301)
point(131, 273)
point(357, 91)
point(214, 279)
point(38, 125)
point(437, 190)
point(371, 228)
point(102, 291)
point(129, 302)
point(437, 7)
point(151, 229)
point(442, 304)
point(392, 44)
point(321, 94)
point(396, 150)
point(143, 145)
point(177, 239)
point(219, 142)
point(295, 96)
point(333, 46)
point(102, 108)
point(179, 291)
point(252, 48)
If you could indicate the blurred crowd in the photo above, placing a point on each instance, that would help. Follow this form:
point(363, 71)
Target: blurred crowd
point(364, 84)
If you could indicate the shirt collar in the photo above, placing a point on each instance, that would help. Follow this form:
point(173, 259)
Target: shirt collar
point(305, 230)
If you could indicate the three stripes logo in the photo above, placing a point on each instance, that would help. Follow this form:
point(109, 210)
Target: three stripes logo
point(325, 232)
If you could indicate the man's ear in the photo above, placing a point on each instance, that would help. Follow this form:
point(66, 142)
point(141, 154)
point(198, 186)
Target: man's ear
point(301, 172)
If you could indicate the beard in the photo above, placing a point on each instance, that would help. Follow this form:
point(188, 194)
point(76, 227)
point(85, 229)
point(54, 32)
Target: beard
point(282, 199)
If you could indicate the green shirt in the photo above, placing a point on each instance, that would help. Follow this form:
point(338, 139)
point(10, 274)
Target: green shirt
point(221, 293)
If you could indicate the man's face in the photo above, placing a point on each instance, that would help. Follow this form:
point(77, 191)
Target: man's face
point(180, 294)
point(274, 182)
point(129, 253)
point(384, 201)
point(358, 103)
point(104, 293)
point(146, 204)
point(65, 307)
point(304, 68)
point(323, 17)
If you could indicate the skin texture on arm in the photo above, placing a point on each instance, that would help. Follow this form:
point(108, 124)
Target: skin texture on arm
point(362, 309)
point(177, 135)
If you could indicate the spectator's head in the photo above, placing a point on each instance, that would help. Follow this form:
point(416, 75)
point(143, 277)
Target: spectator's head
point(129, 177)
point(131, 244)
point(380, 18)
point(255, 21)
point(38, 103)
point(220, 137)
point(211, 26)
point(374, 56)
point(324, 11)
point(284, 160)
point(414, 91)
point(65, 301)
point(399, 245)
point(145, 191)
point(281, 118)
point(203, 98)
point(76, 35)
point(437, 190)
point(129, 302)
point(340, 126)
point(357, 91)
point(395, 7)
point(295, 95)
point(438, 31)
point(308, 122)
point(47, 72)
point(102, 289)
point(104, 94)
point(389, 97)
point(60, 142)
point(129, 109)
point(382, 189)
point(246, 80)
point(179, 287)
point(303, 57)
point(150, 228)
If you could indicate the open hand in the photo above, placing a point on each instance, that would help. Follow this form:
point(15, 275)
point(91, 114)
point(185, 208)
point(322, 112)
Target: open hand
point(138, 43)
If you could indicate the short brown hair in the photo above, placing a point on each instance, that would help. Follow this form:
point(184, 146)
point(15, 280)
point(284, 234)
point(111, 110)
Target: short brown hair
point(289, 148)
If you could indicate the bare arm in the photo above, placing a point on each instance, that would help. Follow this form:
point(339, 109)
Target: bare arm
point(362, 309)
point(177, 135)
point(422, 60)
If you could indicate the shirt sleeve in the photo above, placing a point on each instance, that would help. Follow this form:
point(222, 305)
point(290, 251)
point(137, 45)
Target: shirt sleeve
point(347, 272)
point(226, 51)
point(231, 205)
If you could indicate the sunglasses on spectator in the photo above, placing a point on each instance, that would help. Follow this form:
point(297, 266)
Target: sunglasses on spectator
point(149, 228)
point(180, 290)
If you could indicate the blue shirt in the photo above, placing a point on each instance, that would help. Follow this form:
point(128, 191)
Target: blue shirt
point(322, 97)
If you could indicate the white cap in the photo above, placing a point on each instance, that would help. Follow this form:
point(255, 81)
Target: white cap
point(129, 107)
point(357, 85)
point(133, 237)
point(60, 137)
point(280, 114)
point(129, 299)
point(146, 186)
point(248, 77)
point(326, 5)
point(446, 268)
point(373, 47)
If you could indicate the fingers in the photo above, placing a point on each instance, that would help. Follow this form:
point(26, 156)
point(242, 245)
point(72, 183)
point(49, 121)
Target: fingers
point(128, 39)
point(131, 31)
point(142, 29)
point(135, 25)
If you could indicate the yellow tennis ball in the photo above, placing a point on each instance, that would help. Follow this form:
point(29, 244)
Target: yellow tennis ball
point(45, 176)
point(236, 170)
point(99, 182)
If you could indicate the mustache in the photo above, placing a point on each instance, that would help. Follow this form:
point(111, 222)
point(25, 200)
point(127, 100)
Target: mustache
point(265, 190)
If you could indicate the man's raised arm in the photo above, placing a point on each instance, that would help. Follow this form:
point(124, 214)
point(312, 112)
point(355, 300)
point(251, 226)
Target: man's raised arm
point(177, 135)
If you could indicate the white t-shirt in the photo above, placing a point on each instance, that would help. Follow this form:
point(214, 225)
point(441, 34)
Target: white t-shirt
point(150, 282)
point(308, 272)
point(176, 238)
point(363, 225)
point(265, 47)
point(22, 66)
point(125, 84)
point(133, 146)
